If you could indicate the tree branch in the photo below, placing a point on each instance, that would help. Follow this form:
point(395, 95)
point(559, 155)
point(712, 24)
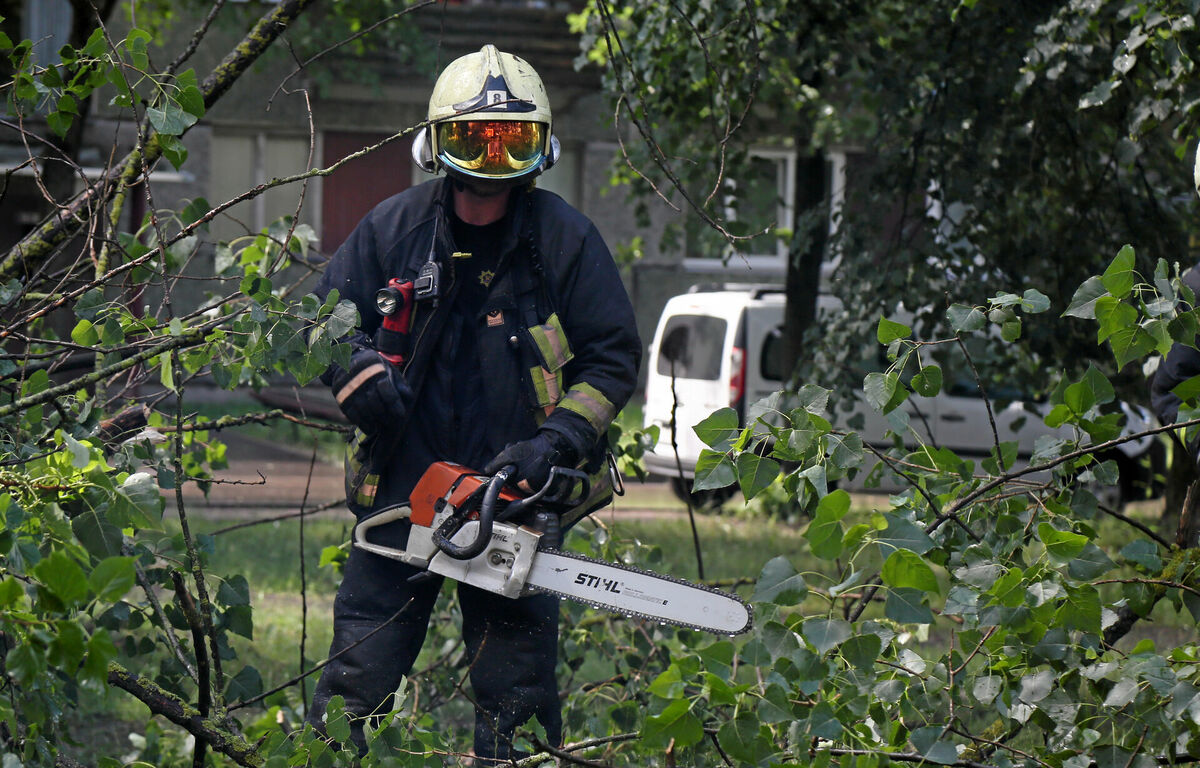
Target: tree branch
point(175, 709)
point(64, 223)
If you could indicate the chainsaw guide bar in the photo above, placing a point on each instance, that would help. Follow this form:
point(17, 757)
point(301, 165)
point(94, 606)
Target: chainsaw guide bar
point(638, 593)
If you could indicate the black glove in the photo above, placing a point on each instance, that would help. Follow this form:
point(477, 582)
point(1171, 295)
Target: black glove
point(533, 459)
point(371, 392)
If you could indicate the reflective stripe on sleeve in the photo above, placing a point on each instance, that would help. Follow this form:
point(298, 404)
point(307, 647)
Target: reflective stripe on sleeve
point(591, 404)
point(359, 379)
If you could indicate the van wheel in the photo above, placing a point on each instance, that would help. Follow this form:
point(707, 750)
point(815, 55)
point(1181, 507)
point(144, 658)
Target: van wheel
point(705, 500)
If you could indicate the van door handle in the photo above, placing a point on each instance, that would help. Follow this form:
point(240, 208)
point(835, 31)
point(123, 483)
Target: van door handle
point(953, 417)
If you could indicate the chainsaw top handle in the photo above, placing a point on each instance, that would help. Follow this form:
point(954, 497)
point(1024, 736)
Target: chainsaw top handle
point(565, 488)
point(487, 515)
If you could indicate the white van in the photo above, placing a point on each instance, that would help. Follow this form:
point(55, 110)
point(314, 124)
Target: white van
point(720, 347)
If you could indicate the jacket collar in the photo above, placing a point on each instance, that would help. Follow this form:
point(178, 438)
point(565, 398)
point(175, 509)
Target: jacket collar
point(517, 215)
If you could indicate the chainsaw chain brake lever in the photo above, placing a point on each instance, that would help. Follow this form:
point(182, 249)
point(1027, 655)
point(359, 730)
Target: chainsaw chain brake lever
point(565, 488)
point(487, 515)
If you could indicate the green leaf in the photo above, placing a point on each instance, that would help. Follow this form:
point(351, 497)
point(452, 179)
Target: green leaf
point(111, 333)
point(908, 569)
point(81, 454)
point(888, 331)
point(1010, 331)
point(173, 149)
point(1081, 610)
point(821, 723)
point(239, 619)
point(1083, 303)
point(1143, 552)
point(845, 451)
point(68, 647)
point(719, 429)
point(826, 634)
point(713, 470)
point(986, 688)
point(63, 578)
point(902, 534)
point(1079, 397)
point(1113, 316)
point(60, 122)
point(779, 583)
point(1091, 563)
point(188, 94)
point(861, 651)
point(669, 684)
point(675, 722)
point(1118, 279)
point(99, 536)
point(928, 381)
point(170, 119)
point(930, 745)
point(1062, 545)
point(25, 664)
point(965, 319)
point(907, 606)
point(1188, 389)
point(746, 739)
point(1129, 344)
point(824, 533)
point(879, 388)
point(755, 473)
point(112, 578)
point(84, 334)
point(1098, 95)
point(246, 684)
point(1035, 301)
point(138, 503)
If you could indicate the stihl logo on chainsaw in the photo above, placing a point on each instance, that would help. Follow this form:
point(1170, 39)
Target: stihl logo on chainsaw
point(604, 585)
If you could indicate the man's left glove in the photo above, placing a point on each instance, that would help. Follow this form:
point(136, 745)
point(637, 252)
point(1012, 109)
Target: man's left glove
point(533, 459)
point(371, 392)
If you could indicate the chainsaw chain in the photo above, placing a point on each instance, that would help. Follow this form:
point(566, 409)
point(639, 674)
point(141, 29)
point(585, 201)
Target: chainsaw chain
point(653, 574)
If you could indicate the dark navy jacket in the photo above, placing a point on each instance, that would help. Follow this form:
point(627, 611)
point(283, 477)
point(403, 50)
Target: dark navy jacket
point(1180, 364)
point(557, 342)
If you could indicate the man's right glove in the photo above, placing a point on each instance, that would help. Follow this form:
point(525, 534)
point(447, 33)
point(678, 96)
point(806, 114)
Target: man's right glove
point(371, 392)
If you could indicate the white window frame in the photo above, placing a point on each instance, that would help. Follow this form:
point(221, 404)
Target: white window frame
point(758, 263)
point(775, 264)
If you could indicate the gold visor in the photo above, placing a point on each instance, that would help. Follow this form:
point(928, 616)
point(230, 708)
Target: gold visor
point(491, 148)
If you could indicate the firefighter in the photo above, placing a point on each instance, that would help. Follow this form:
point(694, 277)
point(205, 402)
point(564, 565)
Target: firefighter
point(519, 350)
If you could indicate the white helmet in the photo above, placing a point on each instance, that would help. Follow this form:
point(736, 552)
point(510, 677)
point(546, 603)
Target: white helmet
point(489, 119)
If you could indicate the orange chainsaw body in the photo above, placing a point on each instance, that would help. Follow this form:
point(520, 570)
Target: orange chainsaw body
point(452, 482)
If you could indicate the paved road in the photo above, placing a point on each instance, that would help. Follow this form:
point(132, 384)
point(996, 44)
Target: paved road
point(267, 478)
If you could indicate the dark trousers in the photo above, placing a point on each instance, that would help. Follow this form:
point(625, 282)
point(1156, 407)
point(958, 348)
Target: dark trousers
point(512, 648)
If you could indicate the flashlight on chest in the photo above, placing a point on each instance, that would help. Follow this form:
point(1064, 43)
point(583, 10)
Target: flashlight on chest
point(395, 304)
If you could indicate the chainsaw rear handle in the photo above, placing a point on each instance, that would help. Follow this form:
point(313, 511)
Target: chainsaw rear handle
point(487, 515)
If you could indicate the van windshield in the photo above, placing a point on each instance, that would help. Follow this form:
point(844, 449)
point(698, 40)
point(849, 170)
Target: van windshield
point(691, 347)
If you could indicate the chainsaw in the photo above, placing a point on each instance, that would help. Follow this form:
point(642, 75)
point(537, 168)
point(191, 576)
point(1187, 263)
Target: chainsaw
point(471, 528)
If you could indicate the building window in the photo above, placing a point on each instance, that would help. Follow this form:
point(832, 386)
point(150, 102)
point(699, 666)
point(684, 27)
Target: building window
point(48, 24)
point(763, 198)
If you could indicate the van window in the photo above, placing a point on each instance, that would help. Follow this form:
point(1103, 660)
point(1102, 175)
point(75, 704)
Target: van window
point(770, 361)
point(692, 344)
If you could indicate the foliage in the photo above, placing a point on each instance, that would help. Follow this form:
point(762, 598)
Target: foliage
point(975, 620)
point(991, 146)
